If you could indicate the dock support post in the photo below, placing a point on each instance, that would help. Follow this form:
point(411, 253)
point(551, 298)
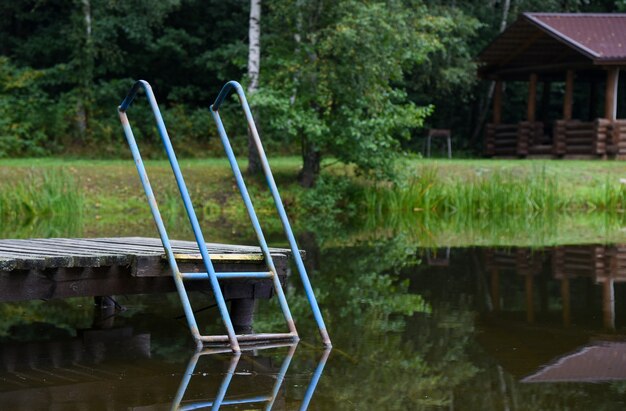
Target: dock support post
point(242, 315)
point(104, 312)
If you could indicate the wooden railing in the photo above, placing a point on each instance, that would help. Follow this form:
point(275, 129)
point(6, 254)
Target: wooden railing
point(570, 138)
point(574, 137)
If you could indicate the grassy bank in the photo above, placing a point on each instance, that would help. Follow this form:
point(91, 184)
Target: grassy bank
point(459, 202)
point(113, 201)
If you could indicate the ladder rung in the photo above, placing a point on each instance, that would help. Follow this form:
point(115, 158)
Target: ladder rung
point(233, 275)
point(249, 337)
point(207, 404)
point(259, 346)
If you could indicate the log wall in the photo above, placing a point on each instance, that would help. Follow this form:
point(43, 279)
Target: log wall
point(501, 140)
point(618, 138)
point(570, 138)
point(574, 137)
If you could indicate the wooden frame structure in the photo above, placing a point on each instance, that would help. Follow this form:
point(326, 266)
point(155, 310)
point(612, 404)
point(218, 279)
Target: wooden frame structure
point(85, 267)
point(548, 48)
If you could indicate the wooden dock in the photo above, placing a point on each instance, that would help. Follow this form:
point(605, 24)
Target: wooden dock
point(77, 267)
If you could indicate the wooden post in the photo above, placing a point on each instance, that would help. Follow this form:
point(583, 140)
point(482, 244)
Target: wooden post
point(532, 98)
point(593, 100)
point(608, 304)
point(545, 101)
point(530, 306)
point(543, 294)
point(566, 304)
point(104, 313)
point(495, 289)
point(569, 95)
point(497, 102)
point(242, 315)
point(610, 102)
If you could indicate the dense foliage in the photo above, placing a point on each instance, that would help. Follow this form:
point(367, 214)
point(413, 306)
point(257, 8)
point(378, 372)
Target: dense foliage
point(354, 79)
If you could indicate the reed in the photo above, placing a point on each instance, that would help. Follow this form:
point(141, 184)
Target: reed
point(42, 195)
point(494, 195)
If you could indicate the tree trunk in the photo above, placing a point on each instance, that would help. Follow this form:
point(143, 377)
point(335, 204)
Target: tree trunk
point(308, 241)
point(86, 78)
point(311, 160)
point(254, 64)
point(505, 14)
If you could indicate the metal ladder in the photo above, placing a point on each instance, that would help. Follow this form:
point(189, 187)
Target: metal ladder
point(231, 337)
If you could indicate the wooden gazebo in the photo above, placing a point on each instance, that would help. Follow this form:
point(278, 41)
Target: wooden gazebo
point(550, 48)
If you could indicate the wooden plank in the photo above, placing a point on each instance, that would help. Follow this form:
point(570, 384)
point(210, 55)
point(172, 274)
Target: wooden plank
point(579, 141)
point(99, 248)
point(28, 262)
point(114, 256)
point(584, 150)
point(32, 246)
point(157, 249)
point(153, 243)
point(197, 256)
point(52, 258)
point(80, 255)
point(7, 263)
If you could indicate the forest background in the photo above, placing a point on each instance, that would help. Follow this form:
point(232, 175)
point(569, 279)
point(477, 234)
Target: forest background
point(355, 80)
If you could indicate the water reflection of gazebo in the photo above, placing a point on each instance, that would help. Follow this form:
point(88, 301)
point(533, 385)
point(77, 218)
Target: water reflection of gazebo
point(595, 362)
point(604, 265)
point(560, 52)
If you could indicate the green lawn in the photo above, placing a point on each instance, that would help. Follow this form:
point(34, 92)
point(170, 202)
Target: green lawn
point(114, 203)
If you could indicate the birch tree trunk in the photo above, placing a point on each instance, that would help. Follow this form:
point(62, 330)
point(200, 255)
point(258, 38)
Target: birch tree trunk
point(86, 75)
point(254, 66)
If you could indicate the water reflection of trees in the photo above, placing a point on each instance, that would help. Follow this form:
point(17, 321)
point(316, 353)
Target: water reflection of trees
point(380, 360)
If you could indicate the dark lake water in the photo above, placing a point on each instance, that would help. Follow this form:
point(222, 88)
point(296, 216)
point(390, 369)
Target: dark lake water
point(413, 329)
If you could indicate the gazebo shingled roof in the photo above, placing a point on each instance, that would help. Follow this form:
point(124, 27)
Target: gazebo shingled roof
point(551, 41)
point(546, 48)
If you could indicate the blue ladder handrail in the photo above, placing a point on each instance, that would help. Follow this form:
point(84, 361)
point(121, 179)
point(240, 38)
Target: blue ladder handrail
point(228, 87)
point(188, 207)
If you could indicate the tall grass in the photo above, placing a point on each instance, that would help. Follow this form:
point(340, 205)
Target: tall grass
point(41, 195)
point(495, 195)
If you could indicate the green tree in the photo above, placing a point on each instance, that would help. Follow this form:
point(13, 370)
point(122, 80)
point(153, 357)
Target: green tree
point(333, 78)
